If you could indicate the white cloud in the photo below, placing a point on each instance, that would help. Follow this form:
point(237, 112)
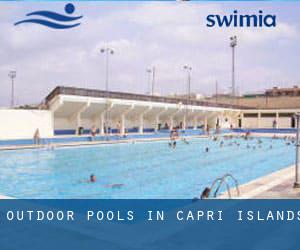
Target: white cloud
point(167, 35)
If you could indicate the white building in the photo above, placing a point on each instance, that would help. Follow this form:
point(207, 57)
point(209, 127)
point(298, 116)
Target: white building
point(70, 109)
point(74, 108)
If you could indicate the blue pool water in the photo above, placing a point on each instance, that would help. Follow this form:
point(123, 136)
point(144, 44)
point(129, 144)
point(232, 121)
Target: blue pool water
point(147, 170)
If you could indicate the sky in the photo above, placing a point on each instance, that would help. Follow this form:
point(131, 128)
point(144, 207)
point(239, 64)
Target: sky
point(144, 34)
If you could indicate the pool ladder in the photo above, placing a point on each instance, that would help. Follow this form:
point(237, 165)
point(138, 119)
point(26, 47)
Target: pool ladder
point(223, 180)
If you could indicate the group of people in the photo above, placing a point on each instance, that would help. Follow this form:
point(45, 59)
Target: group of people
point(174, 135)
point(106, 130)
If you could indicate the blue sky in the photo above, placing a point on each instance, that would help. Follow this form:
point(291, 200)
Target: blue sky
point(167, 35)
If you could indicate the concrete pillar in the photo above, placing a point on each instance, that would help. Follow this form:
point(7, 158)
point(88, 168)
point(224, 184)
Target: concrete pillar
point(184, 122)
point(258, 119)
point(77, 116)
point(242, 119)
point(195, 121)
point(123, 120)
point(277, 120)
point(171, 122)
point(141, 124)
point(78, 122)
point(156, 122)
point(205, 123)
point(101, 125)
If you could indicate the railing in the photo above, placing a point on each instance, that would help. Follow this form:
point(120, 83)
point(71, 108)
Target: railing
point(220, 182)
point(130, 96)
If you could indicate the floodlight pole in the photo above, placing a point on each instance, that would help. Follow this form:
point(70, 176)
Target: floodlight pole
point(233, 44)
point(188, 69)
point(149, 72)
point(107, 51)
point(12, 75)
point(297, 182)
point(153, 80)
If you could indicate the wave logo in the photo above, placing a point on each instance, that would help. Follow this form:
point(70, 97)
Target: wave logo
point(53, 20)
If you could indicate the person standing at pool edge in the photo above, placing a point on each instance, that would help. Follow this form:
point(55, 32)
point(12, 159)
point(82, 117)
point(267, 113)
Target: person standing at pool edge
point(36, 137)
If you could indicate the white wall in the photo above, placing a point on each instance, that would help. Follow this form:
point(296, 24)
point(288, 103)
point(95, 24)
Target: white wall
point(64, 123)
point(266, 122)
point(284, 122)
point(249, 122)
point(22, 124)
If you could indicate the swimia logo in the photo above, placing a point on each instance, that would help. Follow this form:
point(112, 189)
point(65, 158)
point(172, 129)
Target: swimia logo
point(239, 20)
point(52, 19)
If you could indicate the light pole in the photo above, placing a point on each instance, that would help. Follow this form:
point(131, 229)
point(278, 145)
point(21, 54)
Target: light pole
point(153, 79)
point(12, 75)
point(217, 91)
point(297, 182)
point(188, 69)
point(233, 44)
point(107, 51)
point(149, 72)
point(153, 71)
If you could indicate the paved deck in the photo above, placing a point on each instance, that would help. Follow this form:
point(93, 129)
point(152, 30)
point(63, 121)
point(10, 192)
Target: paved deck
point(100, 142)
point(278, 185)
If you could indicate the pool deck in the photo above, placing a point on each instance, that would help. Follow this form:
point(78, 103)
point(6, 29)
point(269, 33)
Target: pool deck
point(277, 185)
point(98, 142)
point(131, 140)
point(5, 197)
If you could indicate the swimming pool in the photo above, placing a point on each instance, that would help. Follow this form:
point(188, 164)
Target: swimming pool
point(147, 170)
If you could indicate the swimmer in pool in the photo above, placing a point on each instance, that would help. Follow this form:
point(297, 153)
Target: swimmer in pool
point(205, 193)
point(117, 185)
point(185, 141)
point(92, 178)
point(207, 149)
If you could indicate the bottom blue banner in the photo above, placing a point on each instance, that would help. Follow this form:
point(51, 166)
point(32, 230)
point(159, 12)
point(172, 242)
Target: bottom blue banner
point(149, 224)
